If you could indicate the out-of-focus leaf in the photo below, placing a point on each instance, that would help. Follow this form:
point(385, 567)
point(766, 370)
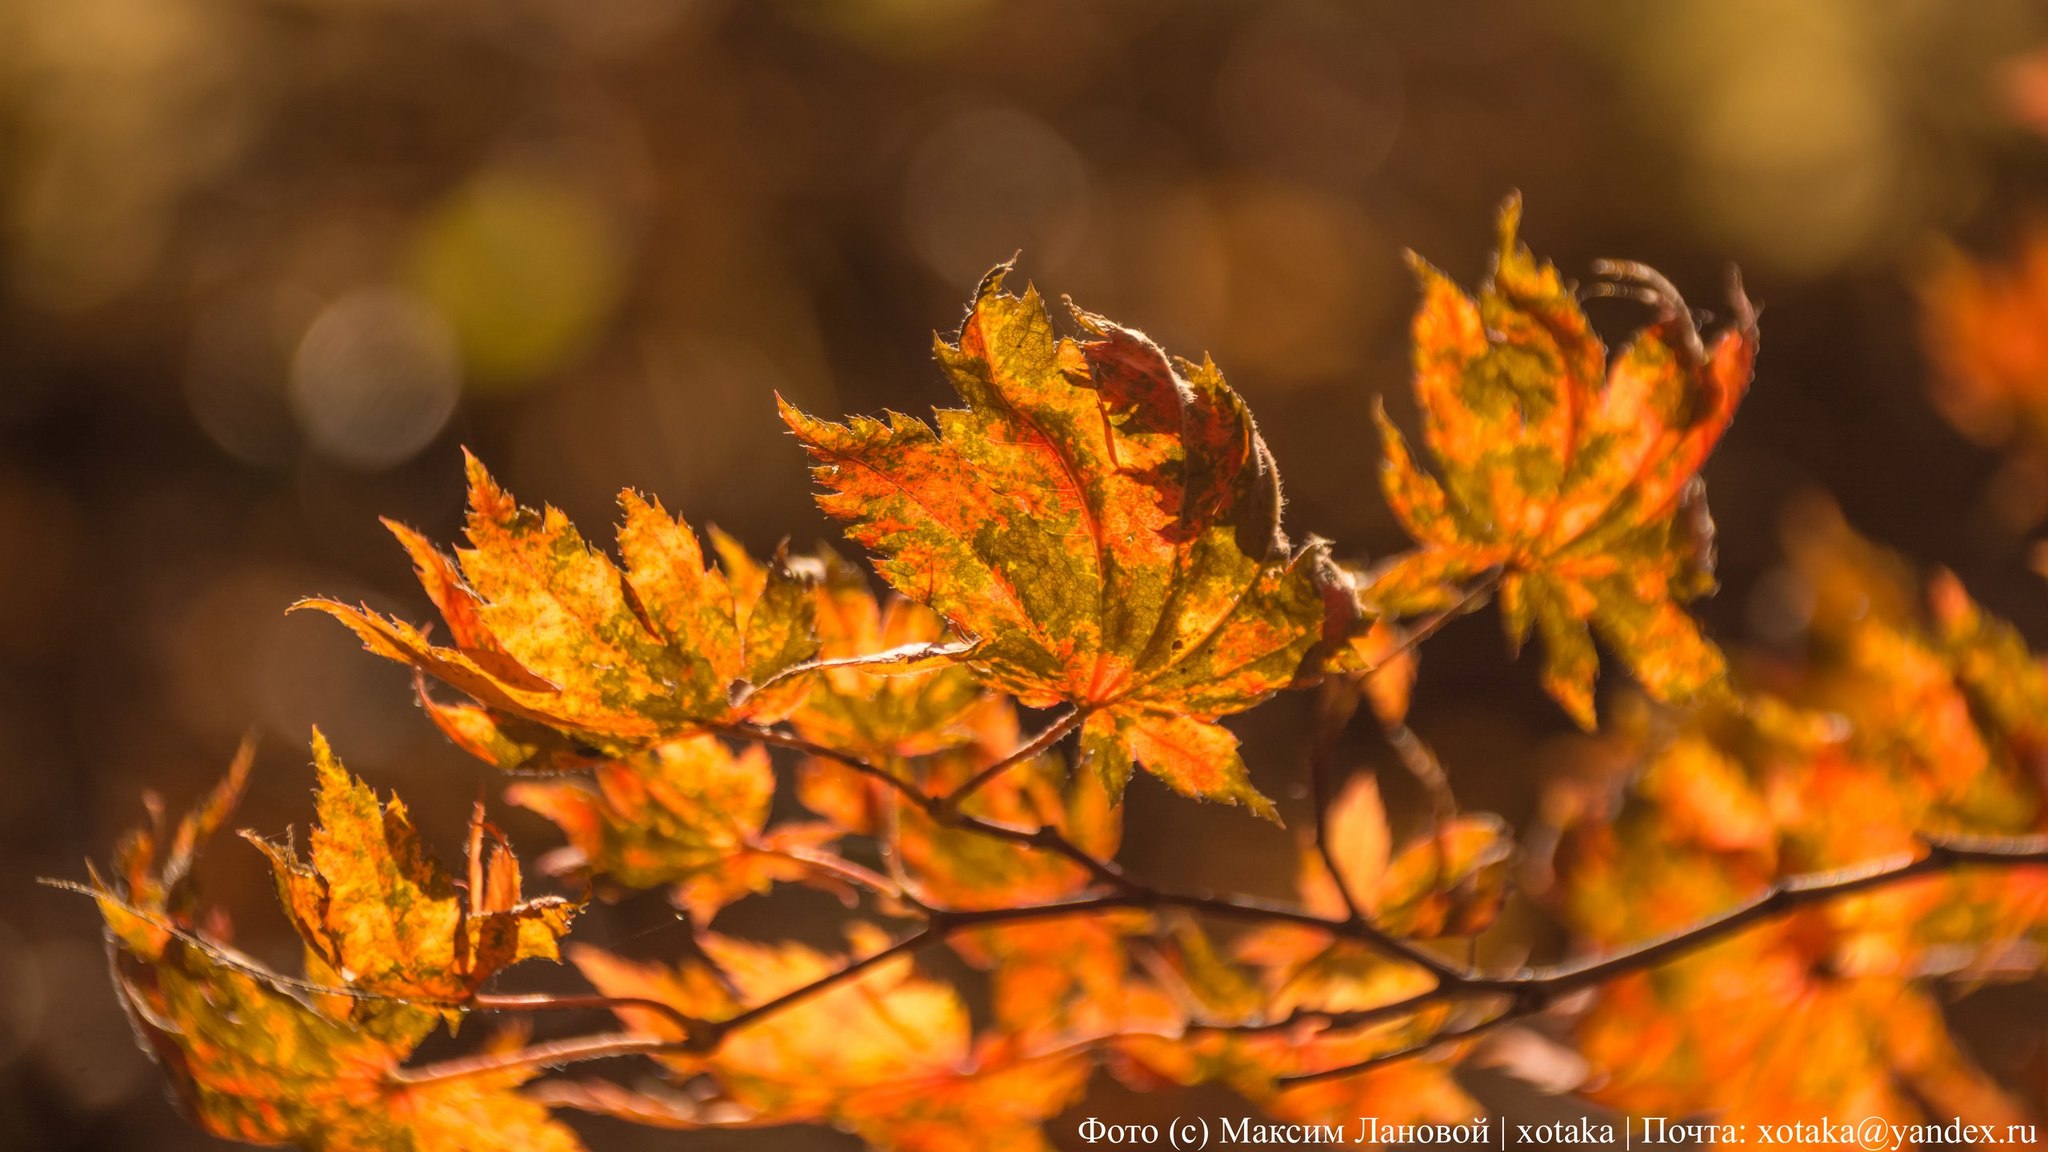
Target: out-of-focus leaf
point(687, 813)
point(1103, 526)
point(901, 1070)
point(1447, 883)
point(1575, 480)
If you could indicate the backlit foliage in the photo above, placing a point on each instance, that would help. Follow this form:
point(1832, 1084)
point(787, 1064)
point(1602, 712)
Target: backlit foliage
point(1088, 574)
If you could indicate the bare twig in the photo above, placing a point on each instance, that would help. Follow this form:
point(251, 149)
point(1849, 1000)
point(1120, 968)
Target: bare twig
point(1024, 753)
point(1470, 601)
point(1336, 704)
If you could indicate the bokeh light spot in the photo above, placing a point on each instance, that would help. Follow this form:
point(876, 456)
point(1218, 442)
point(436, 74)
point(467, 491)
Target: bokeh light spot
point(375, 378)
point(526, 268)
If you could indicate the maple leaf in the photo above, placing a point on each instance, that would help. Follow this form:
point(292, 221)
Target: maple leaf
point(962, 868)
point(1575, 481)
point(881, 715)
point(901, 1071)
point(252, 1061)
point(1979, 323)
point(1104, 528)
point(375, 910)
point(687, 813)
point(1449, 882)
point(1784, 1043)
point(548, 629)
point(1220, 991)
point(888, 715)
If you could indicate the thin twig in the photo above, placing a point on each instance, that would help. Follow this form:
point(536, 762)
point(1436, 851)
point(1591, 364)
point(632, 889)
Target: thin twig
point(1336, 704)
point(1527, 992)
point(563, 1002)
point(553, 1054)
point(1045, 837)
point(1024, 753)
point(1470, 601)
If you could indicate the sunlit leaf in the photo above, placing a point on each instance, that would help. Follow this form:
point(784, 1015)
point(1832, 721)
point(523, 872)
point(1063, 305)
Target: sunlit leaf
point(1103, 526)
point(548, 629)
point(380, 914)
point(688, 814)
point(1570, 479)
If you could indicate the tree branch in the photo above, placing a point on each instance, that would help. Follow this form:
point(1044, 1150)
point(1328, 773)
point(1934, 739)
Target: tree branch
point(1526, 992)
point(1532, 990)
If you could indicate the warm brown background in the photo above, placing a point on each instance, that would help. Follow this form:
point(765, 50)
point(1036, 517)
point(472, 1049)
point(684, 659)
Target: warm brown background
point(265, 264)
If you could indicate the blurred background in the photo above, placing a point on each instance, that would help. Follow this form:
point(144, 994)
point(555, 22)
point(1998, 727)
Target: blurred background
point(266, 264)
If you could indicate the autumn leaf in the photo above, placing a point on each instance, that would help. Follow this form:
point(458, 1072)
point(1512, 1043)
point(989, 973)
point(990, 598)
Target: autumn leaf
point(253, 1061)
point(689, 814)
point(377, 912)
point(869, 713)
point(548, 629)
point(1980, 322)
point(1571, 480)
point(958, 867)
point(888, 715)
point(1102, 526)
point(1450, 881)
point(1785, 1042)
point(902, 1070)
point(1236, 989)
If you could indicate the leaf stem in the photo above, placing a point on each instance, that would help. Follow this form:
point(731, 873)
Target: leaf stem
point(1336, 704)
point(1024, 753)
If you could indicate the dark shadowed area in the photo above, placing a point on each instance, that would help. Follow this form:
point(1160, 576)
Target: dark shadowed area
point(266, 265)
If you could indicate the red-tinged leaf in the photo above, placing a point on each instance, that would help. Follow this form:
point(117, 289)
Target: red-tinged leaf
point(688, 814)
point(376, 911)
point(1104, 527)
point(549, 629)
point(1193, 757)
point(1571, 480)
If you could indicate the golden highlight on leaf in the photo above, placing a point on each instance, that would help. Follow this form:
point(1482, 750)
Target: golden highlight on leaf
point(548, 629)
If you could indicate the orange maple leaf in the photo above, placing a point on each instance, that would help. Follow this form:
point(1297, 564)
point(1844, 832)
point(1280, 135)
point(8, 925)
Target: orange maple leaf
point(548, 629)
point(1574, 481)
point(1103, 527)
